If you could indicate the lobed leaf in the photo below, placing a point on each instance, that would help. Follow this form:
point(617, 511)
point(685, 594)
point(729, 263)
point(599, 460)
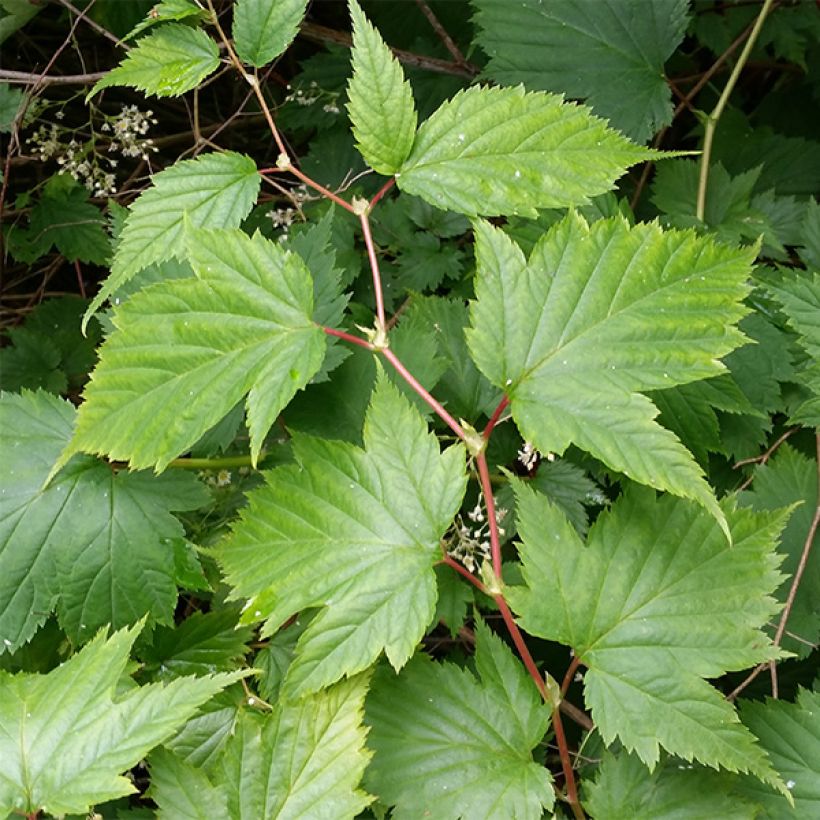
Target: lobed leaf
point(67, 737)
point(505, 151)
point(380, 99)
point(185, 352)
point(653, 604)
point(354, 532)
point(598, 313)
point(172, 59)
point(212, 191)
point(263, 29)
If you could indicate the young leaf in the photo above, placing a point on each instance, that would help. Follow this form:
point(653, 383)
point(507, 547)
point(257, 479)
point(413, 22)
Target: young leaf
point(213, 191)
point(597, 314)
point(790, 734)
point(185, 352)
point(655, 603)
point(449, 745)
point(97, 544)
point(381, 103)
point(263, 29)
point(167, 11)
point(588, 50)
point(504, 151)
point(67, 737)
point(304, 760)
point(625, 790)
point(171, 60)
point(355, 532)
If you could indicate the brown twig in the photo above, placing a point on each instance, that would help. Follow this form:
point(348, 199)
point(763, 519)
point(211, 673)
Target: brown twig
point(764, 457)
point(29, 78)
point(439, 29)
point(81, 15)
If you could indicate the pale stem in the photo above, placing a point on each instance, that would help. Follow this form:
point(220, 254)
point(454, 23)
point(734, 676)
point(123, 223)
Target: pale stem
point(374, 266)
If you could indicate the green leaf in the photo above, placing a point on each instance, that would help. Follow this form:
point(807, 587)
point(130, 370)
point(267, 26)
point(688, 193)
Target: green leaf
point(504, 151)
point(66, 737)
point(789, 478)
point(355, 532)
point(95, 543)
point(263, 29)
point(810, 235)
point(304, 760)
point(172, 59)
point(380, 99)
point(594, 50)
point(167, 11)
point(625, 790)
point(597, 314)
point(790, 734)
point(449, 744)
point(185, 352)
point(10, 101)
point(656, 602)
point(213, 191)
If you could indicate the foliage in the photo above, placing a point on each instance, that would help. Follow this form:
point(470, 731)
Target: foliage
point(413, 413)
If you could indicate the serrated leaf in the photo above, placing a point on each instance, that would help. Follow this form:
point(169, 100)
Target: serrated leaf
point(212, 191)
point(380, 104)
point(786, 479)
point(304, 760)
point(790, 734)
point(810, 235)
point(185, 352)
point(166, 11)
point(355, 532)
point(625, 790)
point(598, 313)
point(95, 543)
point(450, 745)
point(66, 738)
point(592, 49)
point(504, 151)
point(172, 59)
point(263, 29)
point(656, 602)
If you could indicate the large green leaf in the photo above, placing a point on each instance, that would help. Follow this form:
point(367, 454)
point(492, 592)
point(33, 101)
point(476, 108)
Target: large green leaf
point(790, 734)
point(790, 478)
point(67, 737)
point(653, 604)
point(448, 745)
point(304, 760)
point(597, 314)
point(213, 191)
point(593, 49)
point(97, 544)
point(172, 59)
point(185, 352)
point(504, 151)
point(355, 532)
point(380, 100)
point(263, 29)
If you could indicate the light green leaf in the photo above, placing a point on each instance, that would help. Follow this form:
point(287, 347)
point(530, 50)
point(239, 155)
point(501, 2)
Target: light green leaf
point(380, 99)
point(790, 734)
point(10, 102)
point(66, 738)
point(263, 29)
point(213, 191)
point(97, 544)
point(504, 151)
point(656, 602)
point(185, 352)
point(597, 314)
point(167, 11)
point(786, 479)
point(625, 790)
point(448, 745)
point(171, 60)
point(593, 49)
point(304, 760)
point(355, 532)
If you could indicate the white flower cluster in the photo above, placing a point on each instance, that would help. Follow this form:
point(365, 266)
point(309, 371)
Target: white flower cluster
point(313, 95)
point(528, 456)
point(219, 479)
point(283, 217)
point(469, 542)
point(81, 160)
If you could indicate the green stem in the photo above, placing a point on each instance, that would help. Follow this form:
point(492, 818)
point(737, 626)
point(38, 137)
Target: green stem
point(214, 463)
point(712, 119)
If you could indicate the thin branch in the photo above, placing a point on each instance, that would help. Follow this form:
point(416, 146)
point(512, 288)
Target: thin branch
point(462, 570)
point(27, 78)
point(764, 457)
point(502, 406)
point(374, 267)
point(93, 24)
point(439, 29)
point(348, 337)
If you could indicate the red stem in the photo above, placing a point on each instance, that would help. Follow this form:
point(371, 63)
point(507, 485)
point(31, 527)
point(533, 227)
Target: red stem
point(502, 406)
point(487, 489)
point(570, 674)
point(382, 191)
point(413, 382)
point(348, 337)
point(374, 266)
point(320, 188)
point(462, 570)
